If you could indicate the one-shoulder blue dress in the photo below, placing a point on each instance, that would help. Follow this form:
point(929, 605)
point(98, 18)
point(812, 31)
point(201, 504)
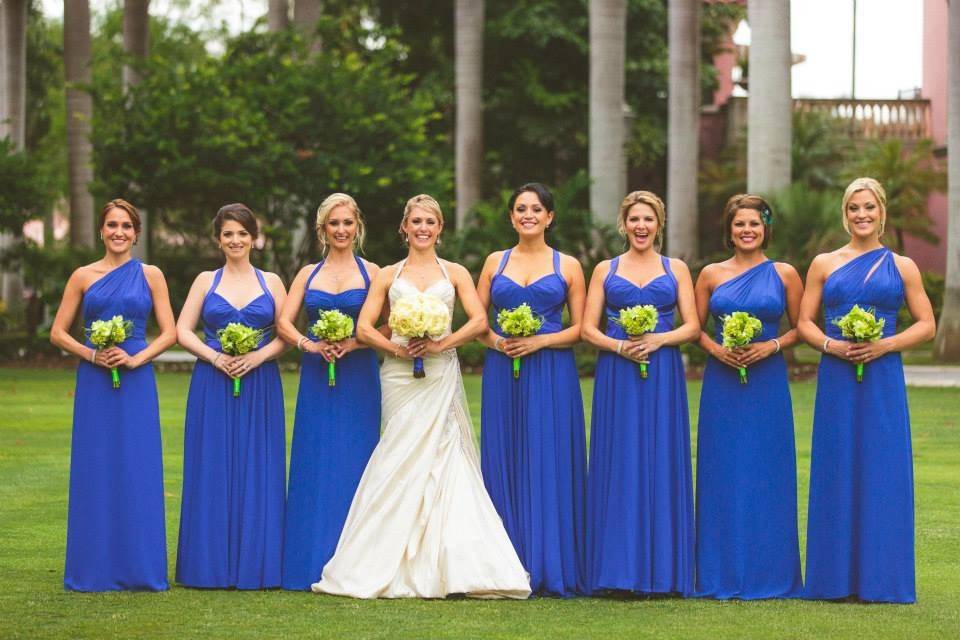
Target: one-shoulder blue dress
point(231, 519)
point(860, 520)
point(533, 441)
point(640, 496)
point(116, 536)
point(747, 545)
point(335, 431)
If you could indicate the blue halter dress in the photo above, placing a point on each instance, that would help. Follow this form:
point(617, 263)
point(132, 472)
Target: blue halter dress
point(860, 519)
point(640, 494)
point(533, 444)
point(116, 536)
point(747, 544)
point(335, 431)
point(231, 519)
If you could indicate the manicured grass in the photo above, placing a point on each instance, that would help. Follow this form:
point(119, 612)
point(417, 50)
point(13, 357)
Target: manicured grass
point(34, 461)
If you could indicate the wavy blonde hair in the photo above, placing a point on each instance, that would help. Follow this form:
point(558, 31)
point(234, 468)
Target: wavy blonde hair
point(654, 202)
point(874, 187)
point(330, 203)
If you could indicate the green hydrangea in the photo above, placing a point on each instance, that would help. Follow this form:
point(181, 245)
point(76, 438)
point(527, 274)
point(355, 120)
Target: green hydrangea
point(519, 322)
point(739, 329)
point(237, 339)
point(332, 325)
point(638, 319)
point(860, 325)
point(109, 333)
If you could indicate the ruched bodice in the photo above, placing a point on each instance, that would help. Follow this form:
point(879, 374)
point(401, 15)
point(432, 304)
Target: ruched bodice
point(217, 312)
point(546, 296)
point(759, 291)
point(620, 293)
point(871, 281)
point(124, 291)
point(348, 302)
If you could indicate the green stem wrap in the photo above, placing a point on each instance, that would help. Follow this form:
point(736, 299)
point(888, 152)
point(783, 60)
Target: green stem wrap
point(236, 387)
point(332, 373)
point(115, 375)
point(859, 372)
point(643, 370)
point(516, 367)
point(743, 375)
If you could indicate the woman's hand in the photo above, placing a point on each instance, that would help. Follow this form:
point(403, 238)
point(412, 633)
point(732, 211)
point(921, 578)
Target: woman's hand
point(839, 349)
point(863, 352)
point(755, 352)
point(420, 347)
point(520, 347)
point(115, 357)
point(242, 365)
point(345, 346)
point(324, 349)
point(726, 356)
point(222, 363)
point(640, 347)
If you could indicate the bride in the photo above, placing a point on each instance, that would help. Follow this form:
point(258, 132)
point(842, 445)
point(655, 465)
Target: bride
point(421, 524)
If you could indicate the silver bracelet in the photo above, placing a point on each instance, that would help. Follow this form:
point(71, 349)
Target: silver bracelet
point(215, 358)
point(826, 344)
point(93, 357)
point(496, 344)
point(619, 346)
point(300, 343)
point(778, 345)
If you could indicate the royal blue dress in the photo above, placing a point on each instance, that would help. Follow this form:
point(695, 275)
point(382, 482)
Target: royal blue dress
point(860, 520)
point(335, 431)
point(532, 441)
point(747, 543)
point(640, 494)
point(231, 519)
point(116, 536)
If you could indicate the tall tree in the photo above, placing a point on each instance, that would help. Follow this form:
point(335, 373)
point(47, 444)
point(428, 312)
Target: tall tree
point(683, 126)
point(278, 15)
point(947, 345)
point(469, 104)
point(770, 105)
point(136, 37)
point(608, 161)
point(76, 59)
point(13, 94)
point(305, 16)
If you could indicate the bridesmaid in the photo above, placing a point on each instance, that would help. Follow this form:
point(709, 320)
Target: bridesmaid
point(860, 518)
point(747, 543)
point(115, 525)
point(231, 519)
point(334, 434)
point(639, 497)
point(532, 428)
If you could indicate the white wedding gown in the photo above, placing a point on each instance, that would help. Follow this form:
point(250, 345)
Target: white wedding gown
point(421, 524)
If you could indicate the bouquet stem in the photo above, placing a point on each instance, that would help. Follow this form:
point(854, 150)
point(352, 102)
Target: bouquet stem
point(115, 375)
point(236, 387)
point(332, 373)
point(418, 371)
point(743, 375)
point(859, 372)
point(643, 370)
point(516, 368)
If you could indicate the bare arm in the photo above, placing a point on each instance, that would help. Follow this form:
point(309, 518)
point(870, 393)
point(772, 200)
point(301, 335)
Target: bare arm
point(476, 323)
point(276, 346)
point(488, 339)
point(286, 321)
point(794, 287)
point(66, 315)
point(164, 314)
point(593, 311)
point(375, 307)
point(689, 329)
point(190, 316)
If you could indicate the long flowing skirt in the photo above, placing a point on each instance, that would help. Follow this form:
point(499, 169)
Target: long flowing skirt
point(231, 520)
point(860, 523)
point(533, 447)
point(640, 533)
point(421, 524)
point(334, 433)
point(116, 536)
point(747, 545)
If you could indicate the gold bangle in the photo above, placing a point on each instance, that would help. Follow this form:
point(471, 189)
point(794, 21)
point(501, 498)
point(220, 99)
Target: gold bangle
point(300, 343)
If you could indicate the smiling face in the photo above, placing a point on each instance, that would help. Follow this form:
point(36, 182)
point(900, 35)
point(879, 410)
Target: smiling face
point(747, 232)
point(641, 226)
point(422, 228)
point(118, 231)
point(340, 228)
point(528, 216)
point(863, 216)
point(235, 240)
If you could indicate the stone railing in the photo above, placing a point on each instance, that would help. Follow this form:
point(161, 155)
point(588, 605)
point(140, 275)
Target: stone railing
point(907, 120)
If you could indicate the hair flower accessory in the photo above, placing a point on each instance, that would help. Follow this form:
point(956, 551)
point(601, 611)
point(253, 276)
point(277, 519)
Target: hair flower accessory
point(766, 215)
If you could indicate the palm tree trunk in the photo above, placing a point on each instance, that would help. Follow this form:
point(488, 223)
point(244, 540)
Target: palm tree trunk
point(136, 37)
point(947, 345)
point(770, 105)
point(305, 16)
point(683, 108)
point(76, 62)
point(608, 165)
point(278, 16)
point(469, 95)
point(13, 95)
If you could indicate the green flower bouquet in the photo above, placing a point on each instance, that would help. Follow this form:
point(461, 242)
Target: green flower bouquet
point(860, 325)
point(739, 330)
point(332, 326)
point(237, 339)
point(636, 321)
point(104, 334)
point(518, 322)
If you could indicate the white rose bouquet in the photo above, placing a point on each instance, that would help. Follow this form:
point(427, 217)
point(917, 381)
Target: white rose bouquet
point(419, 316)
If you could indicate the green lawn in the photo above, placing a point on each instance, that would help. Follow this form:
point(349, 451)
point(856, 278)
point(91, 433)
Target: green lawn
point(34, 461)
